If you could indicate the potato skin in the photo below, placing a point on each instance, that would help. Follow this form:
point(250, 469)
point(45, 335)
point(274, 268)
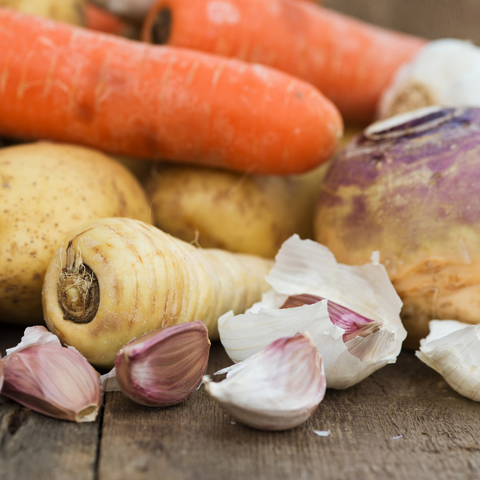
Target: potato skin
point(47, 190)
point(69, 11)
point(251, 214)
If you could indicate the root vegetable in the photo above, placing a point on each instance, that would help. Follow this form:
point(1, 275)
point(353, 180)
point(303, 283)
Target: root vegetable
point(129, 98)
point(408, 188)
point(46, 190)
point(350, 61)
point(69, 11)
point(241, 213)
point(113, 280)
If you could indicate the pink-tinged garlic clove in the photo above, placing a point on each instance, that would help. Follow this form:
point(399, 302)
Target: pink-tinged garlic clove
point(277, 389)
point(354, 324)
point(53, 380)
point(165, 366)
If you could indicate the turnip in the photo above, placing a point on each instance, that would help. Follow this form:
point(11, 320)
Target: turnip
point(408, 188)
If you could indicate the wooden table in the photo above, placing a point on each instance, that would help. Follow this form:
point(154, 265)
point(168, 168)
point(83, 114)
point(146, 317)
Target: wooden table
point(403, 422)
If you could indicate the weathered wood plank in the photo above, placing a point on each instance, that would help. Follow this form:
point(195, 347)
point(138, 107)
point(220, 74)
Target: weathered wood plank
point(197, 440)
point(33, 446)
point(427, 18)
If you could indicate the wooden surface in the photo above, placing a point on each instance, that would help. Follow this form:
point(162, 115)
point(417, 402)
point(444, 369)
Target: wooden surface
point(430, 19)
point(196, 440)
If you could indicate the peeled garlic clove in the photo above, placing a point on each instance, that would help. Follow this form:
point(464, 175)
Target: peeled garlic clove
point(357, 331)
point(165, 366)
point(277, 389)
point(53, 380)
point(445, 72)
point(453, 349)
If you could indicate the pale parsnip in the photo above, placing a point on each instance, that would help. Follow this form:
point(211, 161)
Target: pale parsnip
point(115, 279)
point(46, 190)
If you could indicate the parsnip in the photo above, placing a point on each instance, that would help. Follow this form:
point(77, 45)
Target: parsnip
point(46, 190)
point(115, 279)
point(69, 11)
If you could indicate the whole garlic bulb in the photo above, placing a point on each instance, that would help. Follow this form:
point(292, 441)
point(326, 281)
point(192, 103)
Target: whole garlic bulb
point(445, 72)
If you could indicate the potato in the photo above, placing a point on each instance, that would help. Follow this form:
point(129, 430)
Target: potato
point(46, 190)
point(69, 11)
point(241, 213)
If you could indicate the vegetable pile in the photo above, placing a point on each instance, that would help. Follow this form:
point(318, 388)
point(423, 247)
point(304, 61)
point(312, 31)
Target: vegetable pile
point(232, 128)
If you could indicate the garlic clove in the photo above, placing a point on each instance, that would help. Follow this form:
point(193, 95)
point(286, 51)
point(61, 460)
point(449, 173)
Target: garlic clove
point(53, 380)
point(277, 389)
point(445, 72)
point(453, 349)
point(354, 324)
point(357, 331)
point(165, 366)
point(37, 335)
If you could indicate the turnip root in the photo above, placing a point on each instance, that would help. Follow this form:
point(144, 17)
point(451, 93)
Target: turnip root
point(241, 213)
point(115, 279)
point(69, 11)
point(408, 188)
point(46, 190)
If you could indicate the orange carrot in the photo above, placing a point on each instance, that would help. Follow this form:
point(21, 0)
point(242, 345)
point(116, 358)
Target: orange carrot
point(351, 62)
point(71, 84)
point(103, 21)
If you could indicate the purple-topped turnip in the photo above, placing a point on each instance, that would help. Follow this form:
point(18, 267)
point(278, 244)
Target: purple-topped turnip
point(408, 187)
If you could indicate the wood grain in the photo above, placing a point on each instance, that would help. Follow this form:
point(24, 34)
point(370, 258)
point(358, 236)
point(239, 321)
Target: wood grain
point(430, 19)
point(33, 446)
point(197, 440)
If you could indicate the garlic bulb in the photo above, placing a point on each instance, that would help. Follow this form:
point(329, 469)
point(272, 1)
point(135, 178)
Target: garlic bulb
point(362, 294)
point(277, 389)
point(453, 349)
point(51, 379)
point(165, 366)
point(445, 72)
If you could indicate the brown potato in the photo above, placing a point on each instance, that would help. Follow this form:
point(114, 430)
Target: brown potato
point(241, 213)
point(46, 190)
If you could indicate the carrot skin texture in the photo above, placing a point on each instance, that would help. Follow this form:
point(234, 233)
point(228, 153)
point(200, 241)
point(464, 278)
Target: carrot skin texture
point(69, 84)
point(350, 61)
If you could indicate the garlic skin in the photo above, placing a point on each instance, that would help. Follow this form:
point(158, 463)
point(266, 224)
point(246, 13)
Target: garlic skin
point(54, 381)
point(306, 267)
point(277, 389)
point(453, 349)
point(445, 72)
point(165, 366)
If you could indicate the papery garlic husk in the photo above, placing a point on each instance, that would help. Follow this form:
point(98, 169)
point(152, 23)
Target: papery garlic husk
point(53, 380)
point(306, 267)
point(453, 349)
point(445, 72)
point(165, 366)
point(277, 389)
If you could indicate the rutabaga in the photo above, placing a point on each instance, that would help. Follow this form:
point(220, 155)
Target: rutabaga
point(445, 72)
point(453, 349)
point(352, 297)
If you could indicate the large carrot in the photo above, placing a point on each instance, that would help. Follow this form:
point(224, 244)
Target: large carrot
point(351, 62)
point(75, 85)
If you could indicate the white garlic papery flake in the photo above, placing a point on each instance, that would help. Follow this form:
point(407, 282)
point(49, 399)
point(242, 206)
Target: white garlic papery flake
point(453, 349)
point(306, 267)
point(445, 72)
point(277, 389)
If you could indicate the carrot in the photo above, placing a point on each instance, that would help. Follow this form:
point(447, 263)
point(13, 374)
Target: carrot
point(71, 84)
point(103, 21)
point(351, 62)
